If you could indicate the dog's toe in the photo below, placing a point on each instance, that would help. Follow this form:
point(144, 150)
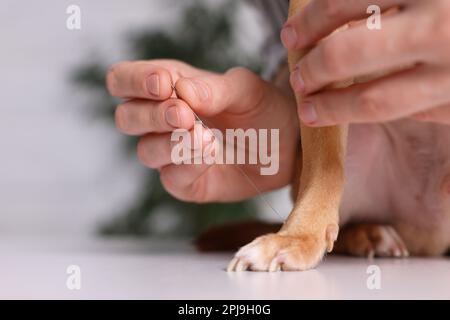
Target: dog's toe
point(372, 240)
point(275, 252)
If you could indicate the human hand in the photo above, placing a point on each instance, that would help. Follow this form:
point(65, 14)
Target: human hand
point(236, 99)
point(418, 35)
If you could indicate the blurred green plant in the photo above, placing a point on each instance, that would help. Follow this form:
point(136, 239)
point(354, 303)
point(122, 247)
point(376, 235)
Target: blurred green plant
point(203, 37)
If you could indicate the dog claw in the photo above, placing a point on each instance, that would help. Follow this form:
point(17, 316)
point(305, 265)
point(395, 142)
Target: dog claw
point(232, 265)
point(274, 266)
point(374, 240)
point(241, 266)
point(331, 236)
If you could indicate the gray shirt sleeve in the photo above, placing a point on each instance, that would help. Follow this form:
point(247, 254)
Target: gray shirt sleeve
point(274, 14)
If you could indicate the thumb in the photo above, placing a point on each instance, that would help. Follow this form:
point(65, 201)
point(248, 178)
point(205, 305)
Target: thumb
point(238, 90)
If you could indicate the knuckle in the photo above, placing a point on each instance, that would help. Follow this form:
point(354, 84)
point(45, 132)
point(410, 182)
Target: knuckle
point(198, 192)
point(251, 82)
point(436, 30)
point(414, 39)
point(332, 8)
point(331, 57)
point(329, 115)
point(111, 77)
point(442, 29)
point(444, 7)
point(422, 116)
point(306, 73)
point(307, 23)
point(245, 76)
point(241, 72)
point(372, 106)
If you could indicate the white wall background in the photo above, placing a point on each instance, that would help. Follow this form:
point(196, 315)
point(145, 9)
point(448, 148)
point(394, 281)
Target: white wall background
point(60, 172)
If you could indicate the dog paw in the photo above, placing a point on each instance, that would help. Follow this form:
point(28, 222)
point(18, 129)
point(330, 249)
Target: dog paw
point(372, 240)
point(275, 252)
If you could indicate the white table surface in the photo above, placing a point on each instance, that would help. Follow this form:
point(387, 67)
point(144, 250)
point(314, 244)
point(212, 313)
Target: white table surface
point(35, 268)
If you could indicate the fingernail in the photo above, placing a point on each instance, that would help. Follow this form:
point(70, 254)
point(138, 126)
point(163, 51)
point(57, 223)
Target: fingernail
point(153, 84)
point(172, 117)
point(308, 113)
point(297, 82)
point(201, 90)
point(289, 37)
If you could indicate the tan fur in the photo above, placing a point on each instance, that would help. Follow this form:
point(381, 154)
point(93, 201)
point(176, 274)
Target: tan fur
point(419, 218)
point(371, 240)
point(312, 226)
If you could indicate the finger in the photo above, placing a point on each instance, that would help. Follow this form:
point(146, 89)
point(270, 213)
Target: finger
point(157, 150)
point(437, 115)
point(137, 117)
point(320, 17)
point(236, 91)
point(154, 150)
point(205, 183)
point(139, 79)
point(358, 51)
point(186, 182)
point(385, 99)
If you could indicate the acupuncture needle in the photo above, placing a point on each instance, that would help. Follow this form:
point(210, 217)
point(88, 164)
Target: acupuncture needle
point(250, 181)
point(195, 114)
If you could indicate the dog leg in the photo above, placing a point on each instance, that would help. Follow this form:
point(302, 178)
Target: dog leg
point(312, 226)
point(371, 240)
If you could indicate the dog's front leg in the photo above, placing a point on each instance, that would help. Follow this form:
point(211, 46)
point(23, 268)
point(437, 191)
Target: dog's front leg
point(312, 227)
